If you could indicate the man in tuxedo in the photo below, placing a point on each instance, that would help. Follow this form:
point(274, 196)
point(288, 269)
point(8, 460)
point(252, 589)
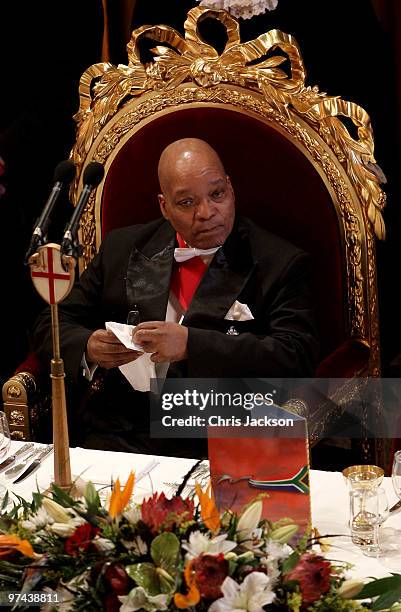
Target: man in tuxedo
point(217, 297)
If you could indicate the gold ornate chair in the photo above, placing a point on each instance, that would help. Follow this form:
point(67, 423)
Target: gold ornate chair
point(301, 161)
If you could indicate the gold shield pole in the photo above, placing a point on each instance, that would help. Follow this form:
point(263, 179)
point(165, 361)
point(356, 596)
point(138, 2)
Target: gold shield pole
point(62, 269)
point(61, 445)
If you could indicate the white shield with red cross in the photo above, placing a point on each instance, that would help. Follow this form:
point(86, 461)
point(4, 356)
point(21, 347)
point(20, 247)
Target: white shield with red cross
point(50, 279)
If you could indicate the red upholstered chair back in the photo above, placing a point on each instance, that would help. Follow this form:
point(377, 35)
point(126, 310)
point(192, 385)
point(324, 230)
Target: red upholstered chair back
point(275, 184)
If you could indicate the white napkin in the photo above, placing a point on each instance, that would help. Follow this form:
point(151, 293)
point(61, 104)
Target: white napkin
point(138, 372)
point(239, 312)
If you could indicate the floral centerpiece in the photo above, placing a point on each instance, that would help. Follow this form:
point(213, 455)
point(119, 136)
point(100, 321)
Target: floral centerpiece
point(169, 554)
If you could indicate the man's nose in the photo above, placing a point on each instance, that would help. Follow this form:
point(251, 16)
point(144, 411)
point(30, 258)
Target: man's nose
point(205, 209)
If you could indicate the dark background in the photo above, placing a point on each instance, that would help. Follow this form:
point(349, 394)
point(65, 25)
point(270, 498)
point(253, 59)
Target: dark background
point(350, 48)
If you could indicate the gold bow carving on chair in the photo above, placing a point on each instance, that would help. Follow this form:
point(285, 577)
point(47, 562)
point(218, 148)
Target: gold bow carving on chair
point(256, 65)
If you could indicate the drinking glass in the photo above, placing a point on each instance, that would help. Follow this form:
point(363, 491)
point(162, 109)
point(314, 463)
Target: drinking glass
point(396, 473)
point(5, 441)
point(5, 438)
point(390, 556)
point(377, 507)
point(366, 508)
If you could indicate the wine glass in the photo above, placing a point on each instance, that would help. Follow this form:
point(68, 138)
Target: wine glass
point(390, 556)
point(5, 441)
point(396, 473)
point(5, 438)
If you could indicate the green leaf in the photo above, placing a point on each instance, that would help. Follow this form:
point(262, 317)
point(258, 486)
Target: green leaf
point(386, 600)
point(164, 552)
point(37, 499)
point(166, 581)
point(145, 576)
point(289, 563)
point(92, 498)
point(5, 501)
point(62, 497)
point(380, 586)
point(232, 566)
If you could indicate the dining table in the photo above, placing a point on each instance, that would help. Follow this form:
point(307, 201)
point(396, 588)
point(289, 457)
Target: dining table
point(329, 495)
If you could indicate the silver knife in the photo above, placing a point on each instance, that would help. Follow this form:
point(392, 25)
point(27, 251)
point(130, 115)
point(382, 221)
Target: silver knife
point(396, 507)
point(24, 449)
point(13, 471)
point(34, 465)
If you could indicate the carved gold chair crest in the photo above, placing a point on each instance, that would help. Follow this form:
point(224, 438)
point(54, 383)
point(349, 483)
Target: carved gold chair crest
point(296, 167)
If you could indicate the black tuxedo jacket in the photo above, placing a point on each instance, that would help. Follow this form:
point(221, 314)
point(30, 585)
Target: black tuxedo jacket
point(133, 267)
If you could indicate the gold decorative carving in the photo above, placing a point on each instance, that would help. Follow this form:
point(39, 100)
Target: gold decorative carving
point(26, 380)
point(17, 418)
point(253, 65)
point(18, 435)
point(13, 391)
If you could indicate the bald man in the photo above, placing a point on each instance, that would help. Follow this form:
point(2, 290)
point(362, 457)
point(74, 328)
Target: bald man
point(217, 296)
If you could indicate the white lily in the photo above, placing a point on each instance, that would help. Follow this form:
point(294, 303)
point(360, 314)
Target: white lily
point(138, 599)
point(350, 588)
point(57, 512)
point(201, 543)
point(250, 519)
point(248, 533)
point(65, 529)
point(254, 593)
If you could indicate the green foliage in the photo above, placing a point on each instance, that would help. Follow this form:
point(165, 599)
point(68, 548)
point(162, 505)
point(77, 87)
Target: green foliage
point(92, 499)
point(289, 563)
point(159, 577)
point(164, 551)
point(387, 591)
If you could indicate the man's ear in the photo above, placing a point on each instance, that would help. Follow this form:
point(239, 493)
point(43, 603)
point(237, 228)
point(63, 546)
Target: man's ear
point(230, 186)
point(162, 204)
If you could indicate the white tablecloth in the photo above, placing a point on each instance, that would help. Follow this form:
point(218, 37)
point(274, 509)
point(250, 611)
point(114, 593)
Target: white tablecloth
point(328, 491)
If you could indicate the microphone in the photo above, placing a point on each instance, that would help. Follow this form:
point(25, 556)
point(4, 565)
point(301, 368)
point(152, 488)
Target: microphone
point(63, 175)
point(93, 175)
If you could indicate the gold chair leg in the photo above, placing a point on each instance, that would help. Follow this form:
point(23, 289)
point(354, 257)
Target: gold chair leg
point(16, 394)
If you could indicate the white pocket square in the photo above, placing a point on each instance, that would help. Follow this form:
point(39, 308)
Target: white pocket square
point(239, 312)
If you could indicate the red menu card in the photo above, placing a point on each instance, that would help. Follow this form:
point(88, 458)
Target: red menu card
point(242, 468)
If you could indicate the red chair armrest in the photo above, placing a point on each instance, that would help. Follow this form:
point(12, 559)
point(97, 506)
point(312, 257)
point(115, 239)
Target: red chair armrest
point(347, 361)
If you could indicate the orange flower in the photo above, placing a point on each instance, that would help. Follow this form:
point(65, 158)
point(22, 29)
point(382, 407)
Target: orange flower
point(11, 543)
point(193, 596)
point(119, 499)
point(209, 513)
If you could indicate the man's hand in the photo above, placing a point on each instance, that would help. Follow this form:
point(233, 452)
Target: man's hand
point(105, 349)
point(167, 341)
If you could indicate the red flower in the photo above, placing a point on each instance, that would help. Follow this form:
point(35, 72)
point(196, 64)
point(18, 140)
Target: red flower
point(111, 603)
point(117, 579)
point(158, 511)
point(80, 540)
point(210, 572)
point(313, 574)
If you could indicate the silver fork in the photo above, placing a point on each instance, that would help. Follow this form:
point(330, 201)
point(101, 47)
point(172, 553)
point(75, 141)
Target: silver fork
point(17, 468)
